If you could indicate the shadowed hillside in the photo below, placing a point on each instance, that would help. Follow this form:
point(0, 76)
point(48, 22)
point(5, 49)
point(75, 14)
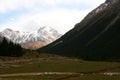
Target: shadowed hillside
point(96, 37)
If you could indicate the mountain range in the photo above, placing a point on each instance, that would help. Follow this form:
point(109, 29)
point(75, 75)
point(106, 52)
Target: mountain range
point(96, 37)
point(32, 40)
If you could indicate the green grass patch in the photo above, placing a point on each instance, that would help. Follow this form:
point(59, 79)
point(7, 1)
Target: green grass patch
point(61, 64)
point(34, 62)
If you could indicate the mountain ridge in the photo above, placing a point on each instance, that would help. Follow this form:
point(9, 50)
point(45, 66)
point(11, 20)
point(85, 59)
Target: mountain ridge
point(95, 37)
point(43, 36)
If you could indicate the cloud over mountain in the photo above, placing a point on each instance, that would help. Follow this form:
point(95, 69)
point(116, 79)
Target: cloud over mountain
point(16, 14)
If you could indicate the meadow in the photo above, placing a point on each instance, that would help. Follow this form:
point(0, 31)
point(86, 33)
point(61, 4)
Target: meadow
point(35, 63)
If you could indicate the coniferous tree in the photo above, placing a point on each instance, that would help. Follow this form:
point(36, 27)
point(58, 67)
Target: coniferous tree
point(7, 48)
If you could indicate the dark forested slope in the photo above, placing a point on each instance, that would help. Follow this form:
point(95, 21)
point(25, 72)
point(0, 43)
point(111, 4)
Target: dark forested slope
point(7, 48)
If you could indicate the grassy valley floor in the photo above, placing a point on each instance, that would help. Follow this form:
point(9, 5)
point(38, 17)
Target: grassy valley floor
point(41, 63)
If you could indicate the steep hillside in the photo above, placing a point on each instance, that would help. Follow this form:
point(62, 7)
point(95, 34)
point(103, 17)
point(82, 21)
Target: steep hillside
point(96, 37)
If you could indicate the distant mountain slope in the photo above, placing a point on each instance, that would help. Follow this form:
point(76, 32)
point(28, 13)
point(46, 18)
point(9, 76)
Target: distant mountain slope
point(43, 36)
point(1, 38)
point(96, 37)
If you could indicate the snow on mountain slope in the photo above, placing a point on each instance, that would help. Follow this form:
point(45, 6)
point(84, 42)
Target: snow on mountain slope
point(100, 8)
point(43, 36)
point(1, 38)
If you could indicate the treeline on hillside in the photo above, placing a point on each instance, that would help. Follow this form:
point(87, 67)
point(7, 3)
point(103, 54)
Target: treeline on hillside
point(7, 48)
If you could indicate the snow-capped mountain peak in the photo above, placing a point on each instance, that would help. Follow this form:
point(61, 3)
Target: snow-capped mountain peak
point(43, 34)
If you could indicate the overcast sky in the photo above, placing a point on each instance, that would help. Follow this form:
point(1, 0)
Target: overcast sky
point(30, 15)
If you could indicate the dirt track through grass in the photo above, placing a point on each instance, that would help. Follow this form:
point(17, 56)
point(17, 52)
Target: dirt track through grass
point(58, 73)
